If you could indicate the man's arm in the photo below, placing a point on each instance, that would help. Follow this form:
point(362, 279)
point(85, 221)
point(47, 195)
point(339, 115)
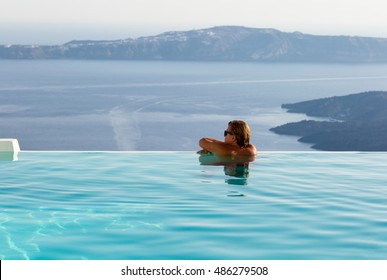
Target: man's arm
point(216, 146)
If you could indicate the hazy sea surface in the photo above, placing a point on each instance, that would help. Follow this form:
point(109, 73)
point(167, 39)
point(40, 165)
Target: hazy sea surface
point(139, 105)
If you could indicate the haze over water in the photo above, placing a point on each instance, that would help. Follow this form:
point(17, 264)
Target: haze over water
point(127, 105)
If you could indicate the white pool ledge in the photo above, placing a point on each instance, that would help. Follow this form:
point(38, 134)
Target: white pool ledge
point(9, 149)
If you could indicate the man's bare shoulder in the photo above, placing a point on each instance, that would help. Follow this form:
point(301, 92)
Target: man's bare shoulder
point(250, 150)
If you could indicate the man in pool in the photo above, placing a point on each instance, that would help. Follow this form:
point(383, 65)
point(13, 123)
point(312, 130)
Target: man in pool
point(236, 142)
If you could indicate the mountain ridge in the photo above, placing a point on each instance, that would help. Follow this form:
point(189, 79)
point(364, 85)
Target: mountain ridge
point(220, 43)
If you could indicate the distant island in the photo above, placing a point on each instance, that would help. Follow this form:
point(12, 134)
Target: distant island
point(223, 43)
point(358, 122)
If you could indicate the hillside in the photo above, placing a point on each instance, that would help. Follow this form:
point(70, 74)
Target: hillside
point(225, 43)
point(359, 122)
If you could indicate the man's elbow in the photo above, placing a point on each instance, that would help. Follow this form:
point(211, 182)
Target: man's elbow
point(202, 143)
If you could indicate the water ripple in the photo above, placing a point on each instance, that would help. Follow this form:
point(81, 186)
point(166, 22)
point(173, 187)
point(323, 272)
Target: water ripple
point(167, 206)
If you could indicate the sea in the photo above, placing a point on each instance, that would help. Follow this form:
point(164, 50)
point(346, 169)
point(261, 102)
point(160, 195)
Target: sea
point(162, 105)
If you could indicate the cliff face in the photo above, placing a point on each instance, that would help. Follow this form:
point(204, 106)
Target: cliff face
point(227, 43)
point(361, 122)
point(363, 107)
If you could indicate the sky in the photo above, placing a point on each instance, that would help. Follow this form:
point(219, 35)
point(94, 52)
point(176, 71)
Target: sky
point(60, 21)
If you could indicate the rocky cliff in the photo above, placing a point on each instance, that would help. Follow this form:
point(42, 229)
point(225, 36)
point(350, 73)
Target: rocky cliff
point(359, 122)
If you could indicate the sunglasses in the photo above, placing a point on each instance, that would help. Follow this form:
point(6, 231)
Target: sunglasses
point(228, 132)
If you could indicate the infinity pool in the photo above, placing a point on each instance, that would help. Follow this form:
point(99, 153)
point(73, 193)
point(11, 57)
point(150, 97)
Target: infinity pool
point(171, 205)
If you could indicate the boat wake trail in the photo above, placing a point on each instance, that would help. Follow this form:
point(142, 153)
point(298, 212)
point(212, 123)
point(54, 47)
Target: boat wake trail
point(125, 127)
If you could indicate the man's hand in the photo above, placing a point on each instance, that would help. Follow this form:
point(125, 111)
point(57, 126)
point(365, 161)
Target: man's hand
point(203, 151)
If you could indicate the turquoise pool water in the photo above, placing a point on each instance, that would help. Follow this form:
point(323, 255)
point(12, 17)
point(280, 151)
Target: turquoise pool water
point(167, 205)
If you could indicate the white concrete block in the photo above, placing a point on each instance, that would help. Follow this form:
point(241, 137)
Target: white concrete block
point(9, 145)
point(9, 149)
